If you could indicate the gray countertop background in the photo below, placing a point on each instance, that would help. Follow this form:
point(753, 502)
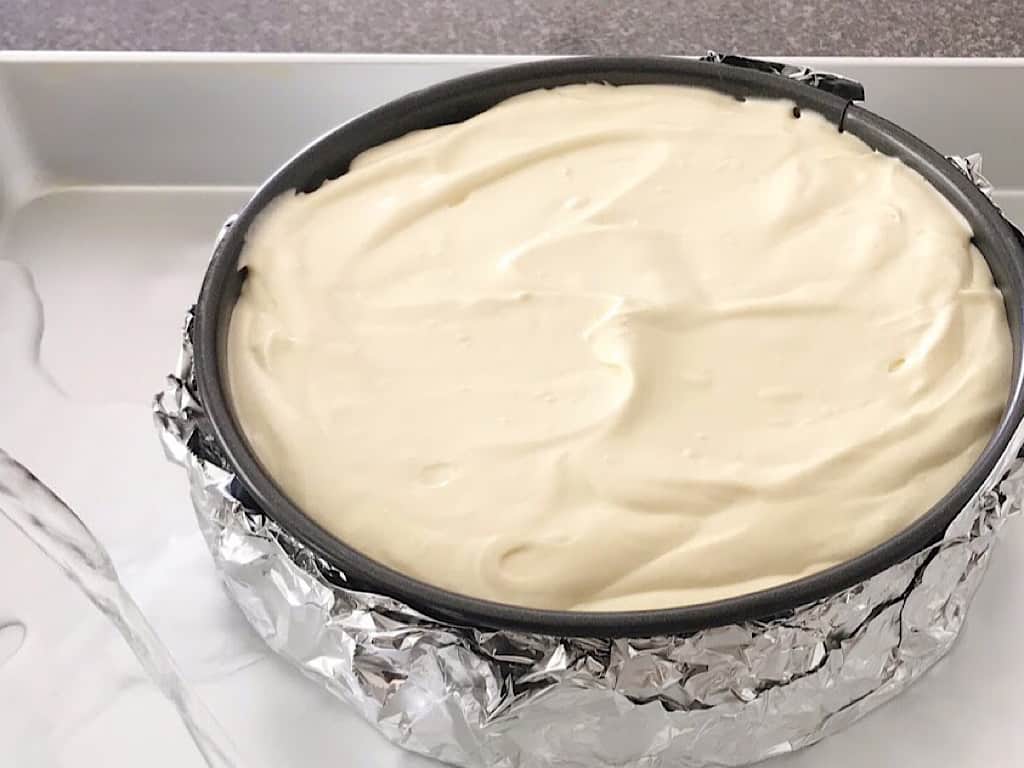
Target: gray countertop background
point(779, 27)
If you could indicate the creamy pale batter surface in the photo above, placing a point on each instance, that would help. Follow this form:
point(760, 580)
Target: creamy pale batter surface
point(618, 348)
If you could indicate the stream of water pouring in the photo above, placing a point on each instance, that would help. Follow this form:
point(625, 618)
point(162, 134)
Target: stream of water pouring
point(53, 527)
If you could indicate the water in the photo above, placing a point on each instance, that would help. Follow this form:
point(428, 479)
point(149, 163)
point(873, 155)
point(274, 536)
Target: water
point(53, 527)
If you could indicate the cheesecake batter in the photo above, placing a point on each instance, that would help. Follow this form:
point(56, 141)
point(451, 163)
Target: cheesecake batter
point(605, 348)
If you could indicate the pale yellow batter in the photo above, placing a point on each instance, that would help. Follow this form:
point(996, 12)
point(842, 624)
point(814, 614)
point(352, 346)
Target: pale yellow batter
point(618, 348)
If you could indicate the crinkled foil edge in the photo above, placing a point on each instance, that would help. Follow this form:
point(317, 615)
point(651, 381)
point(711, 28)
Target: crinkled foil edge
point(725, 696)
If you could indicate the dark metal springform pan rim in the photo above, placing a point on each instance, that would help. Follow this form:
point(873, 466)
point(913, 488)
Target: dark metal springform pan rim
point(458, 99)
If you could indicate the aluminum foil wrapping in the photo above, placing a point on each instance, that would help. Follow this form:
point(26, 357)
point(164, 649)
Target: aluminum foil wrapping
point(724, 696)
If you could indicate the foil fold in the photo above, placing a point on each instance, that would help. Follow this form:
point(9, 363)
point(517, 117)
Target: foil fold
point(838, 85)
point(970, 166)
point(724, 696)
